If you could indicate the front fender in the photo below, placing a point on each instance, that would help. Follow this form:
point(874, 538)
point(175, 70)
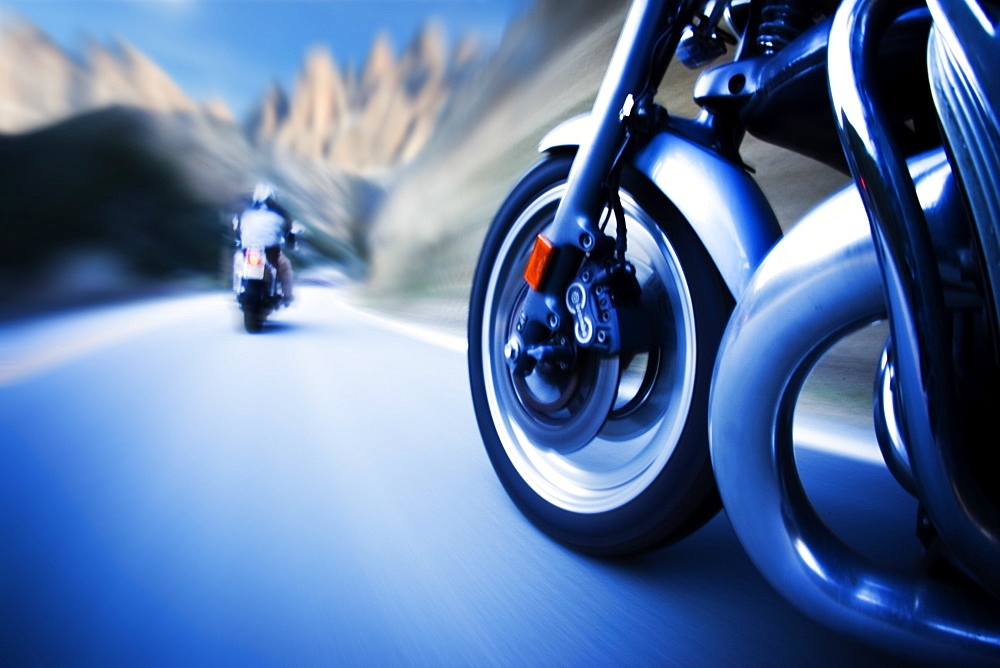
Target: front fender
point(724, 206)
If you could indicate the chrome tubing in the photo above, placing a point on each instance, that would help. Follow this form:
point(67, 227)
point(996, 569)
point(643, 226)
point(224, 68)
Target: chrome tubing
point(887, 432)
point(820, 282)
point(627, 74)
point(967, 522)
point(650, 28)
point(962, 59)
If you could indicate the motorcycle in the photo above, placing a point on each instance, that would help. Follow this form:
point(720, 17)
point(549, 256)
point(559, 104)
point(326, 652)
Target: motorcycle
point(640, 328)
point(255, 282)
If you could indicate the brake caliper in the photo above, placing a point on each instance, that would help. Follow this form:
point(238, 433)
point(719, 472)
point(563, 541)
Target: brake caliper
point(606, 307)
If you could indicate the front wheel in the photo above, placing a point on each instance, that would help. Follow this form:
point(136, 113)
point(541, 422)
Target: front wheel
point(645, 479)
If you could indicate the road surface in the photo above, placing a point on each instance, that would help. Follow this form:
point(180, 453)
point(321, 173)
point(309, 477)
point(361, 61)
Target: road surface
point(174, 491)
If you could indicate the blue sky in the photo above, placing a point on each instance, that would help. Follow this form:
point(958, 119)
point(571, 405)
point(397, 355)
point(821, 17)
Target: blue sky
point(232, 49)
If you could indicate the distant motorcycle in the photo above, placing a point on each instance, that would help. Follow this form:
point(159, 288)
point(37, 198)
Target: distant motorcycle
point(255, 282)
point(639, 328)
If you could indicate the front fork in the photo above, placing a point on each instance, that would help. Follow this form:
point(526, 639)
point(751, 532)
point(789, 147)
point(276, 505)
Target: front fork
point(582, 287)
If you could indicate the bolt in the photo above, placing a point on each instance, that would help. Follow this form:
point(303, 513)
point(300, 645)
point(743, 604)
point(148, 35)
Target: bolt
point(553, 321)
point(585, 277)
point(510, 352)
point(967, 264)
point(602, 336)
point(586, 241)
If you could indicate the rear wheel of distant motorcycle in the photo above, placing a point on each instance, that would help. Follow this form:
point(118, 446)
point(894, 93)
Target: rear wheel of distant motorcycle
point(645, 480)
point(252, 322)
point(253, 319)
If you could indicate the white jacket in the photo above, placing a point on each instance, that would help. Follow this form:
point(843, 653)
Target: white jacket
point(261, 228)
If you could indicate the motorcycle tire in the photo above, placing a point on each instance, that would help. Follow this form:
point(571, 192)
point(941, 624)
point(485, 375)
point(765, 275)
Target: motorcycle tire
point(253, 318)
point(252, 322)
point(646, 479)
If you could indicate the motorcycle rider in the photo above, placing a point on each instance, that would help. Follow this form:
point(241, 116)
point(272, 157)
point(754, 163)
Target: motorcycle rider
point(266, 223)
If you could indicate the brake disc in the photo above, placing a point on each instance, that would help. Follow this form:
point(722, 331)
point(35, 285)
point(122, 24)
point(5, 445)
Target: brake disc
point(565, 408)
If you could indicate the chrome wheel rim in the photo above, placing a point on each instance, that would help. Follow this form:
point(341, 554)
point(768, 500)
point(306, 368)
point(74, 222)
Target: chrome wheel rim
point(653, 393)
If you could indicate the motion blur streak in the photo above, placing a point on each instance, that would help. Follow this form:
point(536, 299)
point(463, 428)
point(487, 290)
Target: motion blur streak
point(317, 494)
point(435, 337)
point(851, 441)
point(34, 347)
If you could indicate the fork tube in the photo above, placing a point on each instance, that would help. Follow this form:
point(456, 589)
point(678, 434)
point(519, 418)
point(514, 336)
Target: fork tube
point(913, 291)
point(650, 28)
point(628, 73)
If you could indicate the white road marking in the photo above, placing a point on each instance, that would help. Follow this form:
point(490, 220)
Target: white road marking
point(30, 348)
point(434, 337)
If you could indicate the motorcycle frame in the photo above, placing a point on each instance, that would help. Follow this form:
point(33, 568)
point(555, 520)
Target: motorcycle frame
point(737, 226)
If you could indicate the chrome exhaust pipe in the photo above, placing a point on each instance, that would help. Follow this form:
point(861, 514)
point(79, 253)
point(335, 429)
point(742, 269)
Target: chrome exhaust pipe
point(969, 524)
point(818, 283)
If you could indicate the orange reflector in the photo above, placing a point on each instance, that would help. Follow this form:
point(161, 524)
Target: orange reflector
point(253, 257)
point(538, 262)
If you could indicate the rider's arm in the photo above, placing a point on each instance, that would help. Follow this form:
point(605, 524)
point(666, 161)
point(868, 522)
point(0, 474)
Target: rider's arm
point(281, 211)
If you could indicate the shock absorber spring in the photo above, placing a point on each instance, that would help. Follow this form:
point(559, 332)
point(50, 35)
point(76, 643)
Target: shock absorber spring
point(781, 22)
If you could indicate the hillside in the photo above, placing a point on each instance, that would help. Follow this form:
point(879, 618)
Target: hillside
point(426, 237)
point(396, 168)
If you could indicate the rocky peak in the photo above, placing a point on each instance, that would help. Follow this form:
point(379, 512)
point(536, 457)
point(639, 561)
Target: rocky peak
point(319, 102)
point(362, 121)
point(40, 83)
point(217, 108)
point(423, 63)
point(149, 84)
point(269, 114)
point(466, 53)
point(377, 119)
point(379, 70)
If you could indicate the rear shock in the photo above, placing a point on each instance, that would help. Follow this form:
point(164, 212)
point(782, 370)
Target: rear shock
point(781, 22)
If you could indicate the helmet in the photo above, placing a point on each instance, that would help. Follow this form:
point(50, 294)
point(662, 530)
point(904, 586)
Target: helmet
point(262, 191)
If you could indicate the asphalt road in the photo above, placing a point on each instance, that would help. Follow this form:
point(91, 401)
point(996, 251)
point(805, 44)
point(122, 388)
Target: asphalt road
point(174, 491)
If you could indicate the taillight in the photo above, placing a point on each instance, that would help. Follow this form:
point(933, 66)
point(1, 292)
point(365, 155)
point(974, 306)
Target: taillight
point(538, 262)
point(254, 257)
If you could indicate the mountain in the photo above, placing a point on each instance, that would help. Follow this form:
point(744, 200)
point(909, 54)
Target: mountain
point(547, 68)
point(105, 162)
point(41, 84)
point(372, 120)
point(395, 166)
